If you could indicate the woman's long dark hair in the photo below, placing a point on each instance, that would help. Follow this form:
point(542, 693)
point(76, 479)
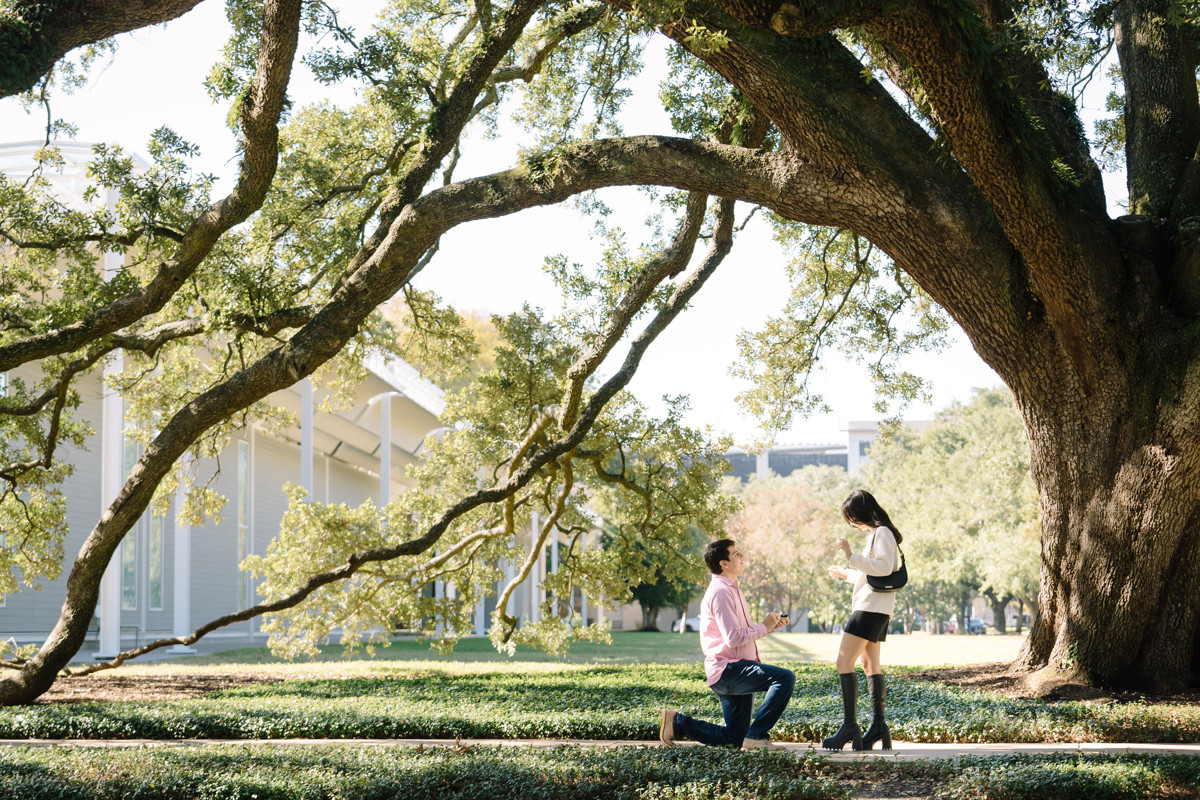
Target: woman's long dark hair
point(862, 507)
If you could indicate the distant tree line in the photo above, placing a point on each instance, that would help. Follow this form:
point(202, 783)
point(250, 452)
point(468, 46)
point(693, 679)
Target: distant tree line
point(961, 491)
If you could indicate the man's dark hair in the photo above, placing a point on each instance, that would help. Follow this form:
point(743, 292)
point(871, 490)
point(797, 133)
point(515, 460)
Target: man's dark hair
point(716, 552)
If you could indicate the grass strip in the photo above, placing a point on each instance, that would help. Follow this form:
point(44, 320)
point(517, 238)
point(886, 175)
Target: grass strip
point(266, 772)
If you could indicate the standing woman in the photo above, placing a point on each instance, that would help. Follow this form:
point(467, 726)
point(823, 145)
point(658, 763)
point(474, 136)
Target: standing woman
point(870, 613)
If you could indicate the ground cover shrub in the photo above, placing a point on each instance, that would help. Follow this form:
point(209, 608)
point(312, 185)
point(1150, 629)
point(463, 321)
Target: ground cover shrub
point(1063, 777)
point(232, 772)
point(343, 772)
point(483, 700)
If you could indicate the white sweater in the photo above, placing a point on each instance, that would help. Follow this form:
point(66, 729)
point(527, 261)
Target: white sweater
point(880, 557)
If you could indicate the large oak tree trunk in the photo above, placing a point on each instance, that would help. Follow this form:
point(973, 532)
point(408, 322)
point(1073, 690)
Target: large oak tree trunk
point(1119, 480)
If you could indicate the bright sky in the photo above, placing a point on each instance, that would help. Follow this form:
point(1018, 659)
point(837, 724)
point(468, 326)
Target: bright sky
point(156, 79)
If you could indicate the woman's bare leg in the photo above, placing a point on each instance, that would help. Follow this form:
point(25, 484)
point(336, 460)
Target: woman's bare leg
point(870, 659)
point(849, 651)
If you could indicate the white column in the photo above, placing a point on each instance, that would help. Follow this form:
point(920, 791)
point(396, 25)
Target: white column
point(250, 526)
point(480, 613)
point(762, 464)
point(535, 525)
point(183, 577)
point(600, 599)
point(441, 591)
point(112, 477)
point(582, 593)
point(385, 449)
point(306, 436)
point(554, 564)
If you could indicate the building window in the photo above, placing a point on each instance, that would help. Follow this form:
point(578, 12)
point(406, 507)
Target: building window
point(129, 571)
point(129, 554)
point(863, 447)
point(243, 522)
point(155, 556)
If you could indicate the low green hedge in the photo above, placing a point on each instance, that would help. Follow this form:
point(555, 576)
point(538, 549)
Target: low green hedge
point(231, 772)
point(597, 702)
point(1060, 777)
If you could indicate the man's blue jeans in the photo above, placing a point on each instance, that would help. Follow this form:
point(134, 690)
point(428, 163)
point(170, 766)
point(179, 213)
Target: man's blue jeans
point(736, 688)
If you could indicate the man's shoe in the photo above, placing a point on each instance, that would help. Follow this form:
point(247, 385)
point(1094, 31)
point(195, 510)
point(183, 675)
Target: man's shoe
point(760, 744)
point(666, 729)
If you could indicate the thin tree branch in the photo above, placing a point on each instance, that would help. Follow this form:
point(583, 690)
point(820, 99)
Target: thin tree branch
point(259, 122)
point(512, 483)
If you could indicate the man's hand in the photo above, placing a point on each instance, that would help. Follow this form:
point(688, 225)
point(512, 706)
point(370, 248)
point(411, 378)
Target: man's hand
point(772, 621)
point(838, 572)
point(844, 546)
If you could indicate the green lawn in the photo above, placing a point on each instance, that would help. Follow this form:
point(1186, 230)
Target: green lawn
point(914, 649)
point(635, 648)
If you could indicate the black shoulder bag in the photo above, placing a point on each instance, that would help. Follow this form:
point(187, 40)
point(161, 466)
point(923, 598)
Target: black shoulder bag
point(890, 583)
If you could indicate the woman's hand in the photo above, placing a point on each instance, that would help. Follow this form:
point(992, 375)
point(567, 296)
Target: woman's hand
point(837, 572)
point(844, 546)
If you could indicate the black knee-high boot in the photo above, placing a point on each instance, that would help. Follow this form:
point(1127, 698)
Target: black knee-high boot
point(879, 729)
point(849, 732)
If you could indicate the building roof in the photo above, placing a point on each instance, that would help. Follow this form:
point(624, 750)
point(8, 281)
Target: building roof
point(404, 378)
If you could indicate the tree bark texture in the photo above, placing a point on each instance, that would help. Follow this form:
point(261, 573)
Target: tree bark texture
point(1120, 498)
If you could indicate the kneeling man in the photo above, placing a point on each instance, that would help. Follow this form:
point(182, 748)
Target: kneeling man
point(735, 673)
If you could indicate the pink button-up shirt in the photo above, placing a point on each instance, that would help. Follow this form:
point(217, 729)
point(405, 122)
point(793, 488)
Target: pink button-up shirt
point(726, 632)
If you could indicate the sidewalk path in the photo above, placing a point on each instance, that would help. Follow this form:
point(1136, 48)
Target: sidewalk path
point(904, 751)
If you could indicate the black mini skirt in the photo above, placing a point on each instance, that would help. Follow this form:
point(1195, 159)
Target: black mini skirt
point(869, 625)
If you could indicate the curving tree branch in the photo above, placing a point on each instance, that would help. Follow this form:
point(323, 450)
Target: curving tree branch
point(1010, 161)
point(667, 263)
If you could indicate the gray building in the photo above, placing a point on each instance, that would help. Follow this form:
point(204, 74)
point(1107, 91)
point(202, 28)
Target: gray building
point(783, 460)
point(167, 578)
